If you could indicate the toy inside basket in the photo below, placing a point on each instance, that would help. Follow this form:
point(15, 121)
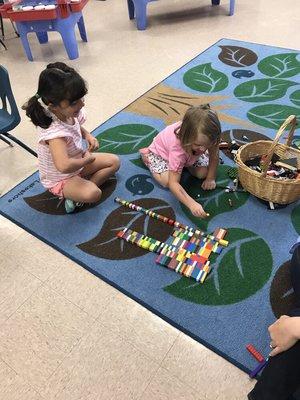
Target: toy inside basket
point(268, 188)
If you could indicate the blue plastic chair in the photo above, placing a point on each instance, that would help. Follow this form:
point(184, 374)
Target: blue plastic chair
point(138, 9)
point(9, 120)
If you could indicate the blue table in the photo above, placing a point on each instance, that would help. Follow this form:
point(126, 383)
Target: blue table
point(65, 26)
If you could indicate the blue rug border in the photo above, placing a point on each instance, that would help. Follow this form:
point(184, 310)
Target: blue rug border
point(113, 284)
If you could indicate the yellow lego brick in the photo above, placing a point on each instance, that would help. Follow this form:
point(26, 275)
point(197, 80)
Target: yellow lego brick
point(223, 242)
point(145, 244)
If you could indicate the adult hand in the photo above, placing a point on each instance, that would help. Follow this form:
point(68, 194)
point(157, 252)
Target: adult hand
point(284, 334)
point(209, 184)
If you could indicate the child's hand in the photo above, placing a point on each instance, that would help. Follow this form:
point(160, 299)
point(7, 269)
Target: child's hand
point(88, 158)
point(209, 184)
point(197, 210)
point(93, 143)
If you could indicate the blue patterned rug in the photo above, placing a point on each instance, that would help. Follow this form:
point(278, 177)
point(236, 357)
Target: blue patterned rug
point(254, 88)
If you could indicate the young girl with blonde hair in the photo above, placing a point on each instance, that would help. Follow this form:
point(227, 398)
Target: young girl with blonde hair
point(192, 143)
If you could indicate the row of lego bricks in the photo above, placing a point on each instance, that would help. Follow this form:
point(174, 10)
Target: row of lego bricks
point(178, 255)
point(218, 235)
point(187, 267)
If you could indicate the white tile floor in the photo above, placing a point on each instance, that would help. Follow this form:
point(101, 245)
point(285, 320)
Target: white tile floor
point(64, 334)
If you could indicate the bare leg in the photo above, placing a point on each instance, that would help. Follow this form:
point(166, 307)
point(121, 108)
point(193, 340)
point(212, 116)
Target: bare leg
point(81, 190)
point(104, 166)
point(198, 172)
point(162, 179)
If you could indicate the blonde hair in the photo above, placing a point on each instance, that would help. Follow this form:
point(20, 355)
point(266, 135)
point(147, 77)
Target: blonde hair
point(199, 120)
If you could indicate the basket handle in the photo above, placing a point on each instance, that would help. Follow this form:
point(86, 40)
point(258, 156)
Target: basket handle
point(291, 120)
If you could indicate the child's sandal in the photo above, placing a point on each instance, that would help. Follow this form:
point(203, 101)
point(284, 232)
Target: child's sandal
point(69, 206)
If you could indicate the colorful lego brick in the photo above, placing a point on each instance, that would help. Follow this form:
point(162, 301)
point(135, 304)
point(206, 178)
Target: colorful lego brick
point(146, 244)
point(219, 233)
point(191, 247)
point(198, 258)
point(191, 271)
point(156, 245)
point(200, 274)
point(182, 269)
point(126, 235)
point(210, 244)
point(194, 273)
point(159, 259)
point(223, 242)
point(152, 247)
point(189, 261)
point(179, 265)
point(167, 261)
point(176, 241)
point(218, 250)
point(255, 353)
point(173, 263)
point(205, 253)
point(206, 270)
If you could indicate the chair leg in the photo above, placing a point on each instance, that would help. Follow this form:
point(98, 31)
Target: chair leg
point(6, 140)
point(69, 39)
point(231, 9)
point(15, 29)
point(141, 15)
point(1, 26)
point(1, 41)
point(23, 36)
point(130, 5)
point(42, 37)
point(14, 139)
point(82, 30)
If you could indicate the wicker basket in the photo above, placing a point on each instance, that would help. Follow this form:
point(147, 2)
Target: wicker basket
point(258, 183)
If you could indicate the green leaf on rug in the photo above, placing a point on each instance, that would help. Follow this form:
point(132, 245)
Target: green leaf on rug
point(295, 216)
point(237, 56)
point(139, 163)
point(126, 139)
point(282, 65)
point(237, 273)
point(204, 78)
point(271, 115)
point(108, 246)
point(215, 202)
point(295, 98)
point(262, 90)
